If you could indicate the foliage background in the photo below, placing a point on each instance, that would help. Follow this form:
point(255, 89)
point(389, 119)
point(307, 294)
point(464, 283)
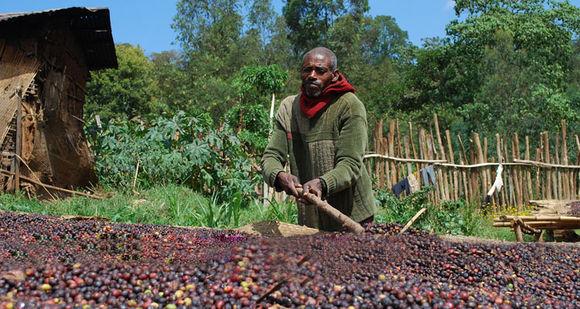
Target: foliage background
point(199, 116)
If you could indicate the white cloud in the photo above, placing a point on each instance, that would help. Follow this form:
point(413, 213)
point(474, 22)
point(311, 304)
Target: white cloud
point(450, 4)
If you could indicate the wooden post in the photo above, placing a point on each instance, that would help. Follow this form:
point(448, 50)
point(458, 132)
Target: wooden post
point(480, 159)
point(456, 187)
point(566, 173)
point(518, 231)
point(412, 140)
point(18, 156)
point(445, 179)
point(392, 166)
point(500, 159)
point(464, 174)
point(557, 172)
point(407, 155)
point(548, 184)
point(387, 166)
point(528, 173)
point(517, 174)
point(539, 188)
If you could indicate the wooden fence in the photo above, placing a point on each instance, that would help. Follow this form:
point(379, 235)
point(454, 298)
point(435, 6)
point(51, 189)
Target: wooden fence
point(527, 174)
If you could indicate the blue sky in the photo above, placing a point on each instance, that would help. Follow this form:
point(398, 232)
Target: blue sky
point(148, 22)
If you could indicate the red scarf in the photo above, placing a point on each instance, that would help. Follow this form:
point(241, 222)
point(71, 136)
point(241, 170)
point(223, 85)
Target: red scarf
point(311, 106)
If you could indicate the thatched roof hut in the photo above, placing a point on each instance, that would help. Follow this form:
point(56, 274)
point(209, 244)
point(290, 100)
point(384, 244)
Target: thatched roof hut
point(45, 59)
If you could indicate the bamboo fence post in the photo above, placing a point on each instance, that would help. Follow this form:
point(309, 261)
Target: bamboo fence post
point(387, 164)
point(558, 172)
point(379, 170)
point(528, 173)
point(480, 159)
point(423, 155)
point(443, 157)
point(412, 140)
point(519, 177)
point(398, 143)
point(500, 159)
point(566, 173)
point(16, 182)
point(392, 165)
point(509, 177)
point(456, 187)
point(464, 173)
point(407, 155)
point(432, 155)
point(578, 148)
point(548, 177)
point(539, 188)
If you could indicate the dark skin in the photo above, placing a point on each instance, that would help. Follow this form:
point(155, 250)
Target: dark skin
point(316, 75)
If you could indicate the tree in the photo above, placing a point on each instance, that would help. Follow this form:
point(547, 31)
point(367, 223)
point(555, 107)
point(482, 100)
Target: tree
point(541, 31)
point(310, 21)
point(209, 32)
point(125, 92)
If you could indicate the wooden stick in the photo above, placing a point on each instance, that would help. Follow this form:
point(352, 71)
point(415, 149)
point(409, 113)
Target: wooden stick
point(538, 217)
point(566, 177)
point(137, 171)
point(334, 213)
point(5, 172)
point(542, 164)
point(500, 159)
point(16, 182)
point(577, 147)
point(375, 155)
point(528, 173)
point(456, 187)
point(391, 153)
point(407, 154)
point(485, 185)
point(547, 160)
point(412, 220)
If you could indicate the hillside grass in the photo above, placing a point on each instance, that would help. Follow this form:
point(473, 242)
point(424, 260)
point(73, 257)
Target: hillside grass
point(180, 206)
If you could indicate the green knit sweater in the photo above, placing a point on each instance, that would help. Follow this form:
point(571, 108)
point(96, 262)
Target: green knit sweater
point(331, 146)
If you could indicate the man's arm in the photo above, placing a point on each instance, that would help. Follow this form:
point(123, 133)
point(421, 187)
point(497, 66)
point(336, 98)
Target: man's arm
point(276, 152)
point(350, 148)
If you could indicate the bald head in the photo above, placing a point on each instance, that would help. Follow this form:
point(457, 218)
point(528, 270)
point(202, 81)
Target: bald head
point(325, 52)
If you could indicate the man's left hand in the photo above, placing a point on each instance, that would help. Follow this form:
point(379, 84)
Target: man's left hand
point(313, 186)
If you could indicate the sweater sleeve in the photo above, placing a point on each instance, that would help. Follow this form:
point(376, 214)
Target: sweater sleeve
point(276, 153)
point(350, 147)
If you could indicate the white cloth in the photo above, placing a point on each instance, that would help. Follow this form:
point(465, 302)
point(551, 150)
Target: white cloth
point(498, 183)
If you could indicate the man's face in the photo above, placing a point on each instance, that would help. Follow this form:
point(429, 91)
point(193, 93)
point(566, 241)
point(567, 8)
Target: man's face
point(316, 74)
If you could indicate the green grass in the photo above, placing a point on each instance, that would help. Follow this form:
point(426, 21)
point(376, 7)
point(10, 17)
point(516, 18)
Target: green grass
point(162, 205)
point(181, 206)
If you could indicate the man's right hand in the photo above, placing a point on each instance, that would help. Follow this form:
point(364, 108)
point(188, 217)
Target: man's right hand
point(288, 183)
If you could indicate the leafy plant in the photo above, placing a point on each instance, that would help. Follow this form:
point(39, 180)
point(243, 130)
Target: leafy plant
point(182, 149)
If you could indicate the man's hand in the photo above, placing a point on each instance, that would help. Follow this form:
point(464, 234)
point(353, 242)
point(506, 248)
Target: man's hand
point(314, 186)
point(288, 183)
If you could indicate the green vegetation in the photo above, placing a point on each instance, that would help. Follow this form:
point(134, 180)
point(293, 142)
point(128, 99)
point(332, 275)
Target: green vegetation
point(163, 205)
point(186, 128)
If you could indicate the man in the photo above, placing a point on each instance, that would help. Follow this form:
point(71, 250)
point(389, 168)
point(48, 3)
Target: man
point(322, 134)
